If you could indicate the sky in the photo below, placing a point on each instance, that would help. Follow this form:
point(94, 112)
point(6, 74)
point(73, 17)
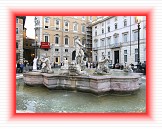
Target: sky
point(29, 25)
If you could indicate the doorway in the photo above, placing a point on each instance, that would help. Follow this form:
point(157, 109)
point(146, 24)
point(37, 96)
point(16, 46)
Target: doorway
point(116, 57)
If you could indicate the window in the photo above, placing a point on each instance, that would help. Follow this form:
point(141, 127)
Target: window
point(66, 24)
point(125, 37)
point(56, 40)
point(57, 24)
point(45, 26)
point(102, 31)
point(116, 26)
point(102, 23)
point(46, 38)
point(116, 39)
point(83, 28)
point(46, 20)
point(125, 55)
point(17, 30)
point(66, 50)
point(108, 55)
point(136, 55)
point(95, 43)
point(108, 28)
point(125, 23)
point(135, 35)
point(75, 27)
point(95, 32)
point(66, 40)
point(57, 50)
point(102, 42)
point(17, 20)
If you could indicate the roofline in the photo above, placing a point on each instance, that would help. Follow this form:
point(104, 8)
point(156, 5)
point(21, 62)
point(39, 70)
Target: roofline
point(102, 20)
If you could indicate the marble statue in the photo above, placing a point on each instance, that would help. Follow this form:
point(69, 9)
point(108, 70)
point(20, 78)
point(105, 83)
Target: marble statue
point(46, 66)
point(35, 64)
point(64, 69)
point(79, 51)
point(65, 64)
point(103, 65)
point(75, 68)
point(128, 68)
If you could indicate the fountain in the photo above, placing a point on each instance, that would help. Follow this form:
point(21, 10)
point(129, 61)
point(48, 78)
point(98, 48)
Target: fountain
point(74, 77)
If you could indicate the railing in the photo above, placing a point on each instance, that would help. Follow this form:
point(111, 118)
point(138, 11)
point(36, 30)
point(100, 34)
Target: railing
point(116, 45)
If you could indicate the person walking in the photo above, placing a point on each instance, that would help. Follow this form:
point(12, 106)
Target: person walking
point(21, 67)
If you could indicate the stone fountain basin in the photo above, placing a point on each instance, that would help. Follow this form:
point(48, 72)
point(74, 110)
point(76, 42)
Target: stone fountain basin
point(94, 84)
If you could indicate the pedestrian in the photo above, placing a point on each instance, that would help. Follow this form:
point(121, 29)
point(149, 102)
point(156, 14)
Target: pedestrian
point(21, 67)
point(87, 64)
point(54, 64)
point(18, 67)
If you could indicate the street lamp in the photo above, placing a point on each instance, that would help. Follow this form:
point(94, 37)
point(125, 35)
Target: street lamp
point(36, 38)
point(138, 21)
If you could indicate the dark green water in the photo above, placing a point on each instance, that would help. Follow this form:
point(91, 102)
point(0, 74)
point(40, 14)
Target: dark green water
point(41, 99)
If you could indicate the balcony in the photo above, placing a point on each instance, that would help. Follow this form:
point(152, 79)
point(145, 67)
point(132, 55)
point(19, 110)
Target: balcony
point(116, 45)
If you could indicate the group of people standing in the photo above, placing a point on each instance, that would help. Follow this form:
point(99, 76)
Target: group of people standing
point(91, 64)
point(21, 66)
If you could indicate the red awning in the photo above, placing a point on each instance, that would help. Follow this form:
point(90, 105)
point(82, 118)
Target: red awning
point(45, 45)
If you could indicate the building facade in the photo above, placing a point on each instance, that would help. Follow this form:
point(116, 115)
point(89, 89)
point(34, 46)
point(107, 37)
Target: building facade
point(56, 35)
point(29, 50)
point(20, 22)
point(116, 37)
